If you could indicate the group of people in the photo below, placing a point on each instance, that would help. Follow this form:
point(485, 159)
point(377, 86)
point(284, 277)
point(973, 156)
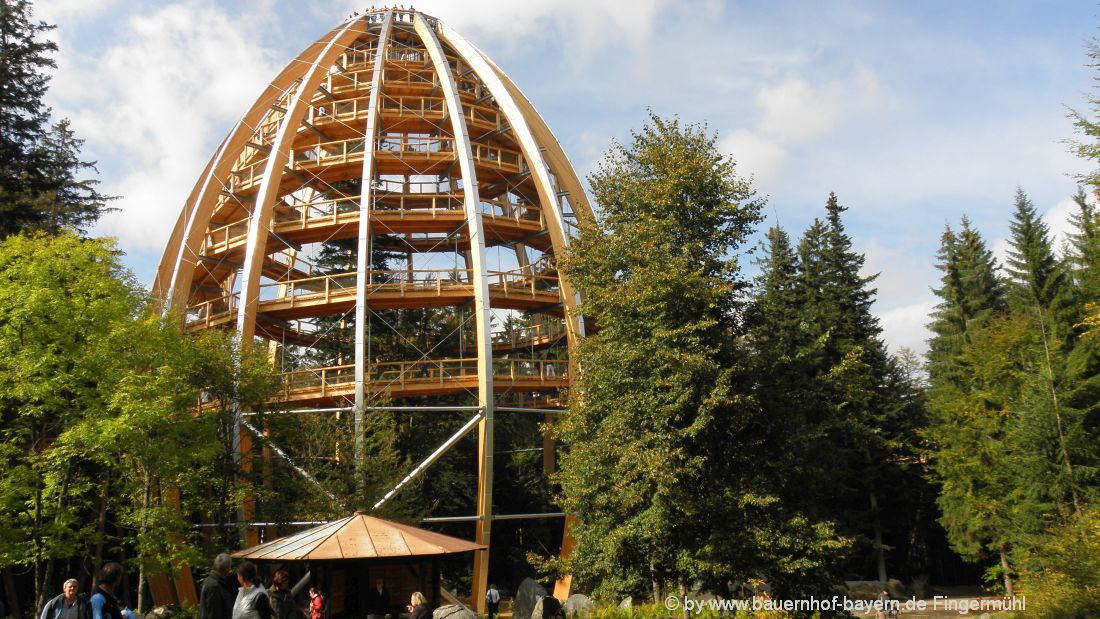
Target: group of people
point(244, 597)
point(103, 603)
point(241, 595)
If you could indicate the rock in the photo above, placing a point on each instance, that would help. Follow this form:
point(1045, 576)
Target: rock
point(528, 593)
point(578, 605)
point(453, 611)
point(163, 612)
point(626, 604)
point(548, 607)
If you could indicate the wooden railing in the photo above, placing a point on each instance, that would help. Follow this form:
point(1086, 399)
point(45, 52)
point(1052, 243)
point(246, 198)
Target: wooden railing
point(541, 332)
point(344, 210)
point(428, 372)
point(529, 282)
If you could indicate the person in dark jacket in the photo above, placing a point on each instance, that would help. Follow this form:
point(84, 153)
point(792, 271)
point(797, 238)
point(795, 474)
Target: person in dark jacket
point(104, 603)
point(418, 607)
point(68, 604)
point(281, 597)
point(219, 591)
point(378, 600)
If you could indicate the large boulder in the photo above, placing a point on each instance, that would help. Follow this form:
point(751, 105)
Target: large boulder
point(453, 611)
point(626, 604)
point(548, 607)
point(578, 605)
point(528, 593)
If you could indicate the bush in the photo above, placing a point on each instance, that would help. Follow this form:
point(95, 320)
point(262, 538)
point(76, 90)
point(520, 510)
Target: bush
point(1060, 572)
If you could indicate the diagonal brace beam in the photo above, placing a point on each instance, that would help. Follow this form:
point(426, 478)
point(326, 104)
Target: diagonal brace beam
point(437, 454)
point(286, 457)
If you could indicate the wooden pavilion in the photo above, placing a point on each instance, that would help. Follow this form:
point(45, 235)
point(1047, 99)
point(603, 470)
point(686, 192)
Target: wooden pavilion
point(343, 558)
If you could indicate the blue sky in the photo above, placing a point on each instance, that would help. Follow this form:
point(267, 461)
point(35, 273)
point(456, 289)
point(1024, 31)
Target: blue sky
point(912, 112)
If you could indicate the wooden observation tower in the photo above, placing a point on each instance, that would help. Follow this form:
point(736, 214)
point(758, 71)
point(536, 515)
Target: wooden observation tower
point(391, 133)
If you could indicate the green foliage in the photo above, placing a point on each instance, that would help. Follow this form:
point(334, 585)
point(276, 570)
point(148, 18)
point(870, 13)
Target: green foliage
point(656, 395)
point(664, 432)
point(107, 409)
point(1011, 388)
point(829, 389)
point(1062, 569)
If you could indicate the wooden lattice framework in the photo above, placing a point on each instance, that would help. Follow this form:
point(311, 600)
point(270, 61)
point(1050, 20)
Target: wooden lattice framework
point(448, 149)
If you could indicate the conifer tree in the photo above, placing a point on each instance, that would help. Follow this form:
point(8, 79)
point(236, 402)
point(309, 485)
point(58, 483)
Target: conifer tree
point(663, 461)
point(852, 405)
point(41, 184)
point(971, 295)
point(1049, 430)
point(1084, 248)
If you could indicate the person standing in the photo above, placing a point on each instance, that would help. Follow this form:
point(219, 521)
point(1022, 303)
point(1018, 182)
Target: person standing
point(218, 591)
point(378, 600)
point(252, 602)
point(104, 603)
point(492, 601)
point(316, 604)
point(68, 604)
point(418, 607)
point(281, 597)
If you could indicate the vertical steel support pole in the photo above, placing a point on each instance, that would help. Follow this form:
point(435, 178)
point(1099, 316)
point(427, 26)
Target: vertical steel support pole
point(260, 221)
point(362, 259)
point(472, 202)
point(521, 116)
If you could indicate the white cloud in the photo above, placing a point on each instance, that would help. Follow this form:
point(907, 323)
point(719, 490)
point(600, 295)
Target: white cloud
point(905, 326)
point(795, 111)
point(160, 99)
point(56, 11)
point(755, 154)
point(1057, 220)
point(582, 26)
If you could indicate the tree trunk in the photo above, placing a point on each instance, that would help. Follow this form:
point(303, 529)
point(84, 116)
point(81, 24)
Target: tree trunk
point(142, 530)
point(1058, 416)
point(36, 533)
point(654, 582)
point(1005, 573)
point(880, 553)
point(11, 593)
point(101, 528)
point(51, 562)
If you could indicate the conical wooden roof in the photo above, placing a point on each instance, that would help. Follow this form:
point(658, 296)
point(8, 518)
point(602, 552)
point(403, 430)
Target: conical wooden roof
point(357, 537)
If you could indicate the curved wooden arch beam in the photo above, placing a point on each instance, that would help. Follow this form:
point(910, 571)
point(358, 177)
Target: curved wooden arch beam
point(177, 267)
point(554, 154)
point(362, 260)
point(530, 147)
point(260, 220)
point(472, 201)
point(553, 157)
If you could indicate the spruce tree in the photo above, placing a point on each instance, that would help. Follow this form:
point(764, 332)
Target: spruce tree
point(665, 448)
point(972, 380)
point(24, 60)
point(1050, 431)
point(1084, 248)
point(971, 295)
point(41, 172)
point(858, 411)
point(1038, 282)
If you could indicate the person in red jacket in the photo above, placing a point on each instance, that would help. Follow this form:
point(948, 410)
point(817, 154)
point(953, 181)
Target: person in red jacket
point(316, 604)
